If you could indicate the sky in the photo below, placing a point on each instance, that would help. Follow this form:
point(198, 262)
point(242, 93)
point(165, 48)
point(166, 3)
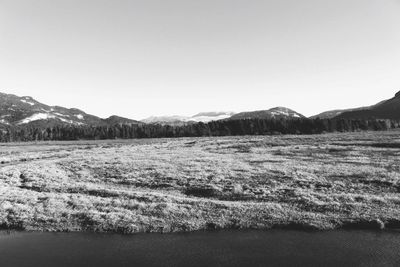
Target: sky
point(180, 57)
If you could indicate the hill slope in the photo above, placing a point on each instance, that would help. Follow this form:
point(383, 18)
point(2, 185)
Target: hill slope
point(334, 113)
point(273, 113)
point(388, 109)
point(113, 120)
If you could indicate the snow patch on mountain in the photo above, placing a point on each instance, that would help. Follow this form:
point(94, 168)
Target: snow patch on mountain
point(59, 114)
point(24, 110)
point(46, 116)
point(282, 111)
point(209, 118)
point(4, 121)
point(36, 117)
point(273, 113)
point(71, 121)
point(27, 102)
point(277, 113)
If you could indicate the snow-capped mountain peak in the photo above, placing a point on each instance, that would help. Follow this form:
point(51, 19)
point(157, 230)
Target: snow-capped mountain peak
point(282, 111)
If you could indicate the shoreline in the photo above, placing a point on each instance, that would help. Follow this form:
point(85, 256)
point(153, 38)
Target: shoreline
point(377, 225)
point(278, 228)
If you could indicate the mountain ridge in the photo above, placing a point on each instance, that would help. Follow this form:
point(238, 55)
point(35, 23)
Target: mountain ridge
point(386, 109)
point(273, 113)
point(26, 111)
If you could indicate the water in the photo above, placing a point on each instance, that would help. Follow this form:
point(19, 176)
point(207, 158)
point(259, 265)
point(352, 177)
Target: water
point(225, 248)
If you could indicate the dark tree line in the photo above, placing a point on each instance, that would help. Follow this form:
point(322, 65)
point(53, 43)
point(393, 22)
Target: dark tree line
point(214, 128)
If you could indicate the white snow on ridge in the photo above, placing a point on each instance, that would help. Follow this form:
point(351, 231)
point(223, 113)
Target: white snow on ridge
point(36, 117)
point(4, 121)
point(27, 102)
point(70, 121)
point(46, 116)
point(79, 116)
point(280, 113)
point(59, 114)
point(209, 118)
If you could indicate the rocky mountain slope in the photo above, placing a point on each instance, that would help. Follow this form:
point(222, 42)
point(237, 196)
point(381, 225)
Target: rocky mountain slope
point(26, 111)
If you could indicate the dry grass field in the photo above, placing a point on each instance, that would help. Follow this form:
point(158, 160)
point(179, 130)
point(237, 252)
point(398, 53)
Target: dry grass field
point(327, 181)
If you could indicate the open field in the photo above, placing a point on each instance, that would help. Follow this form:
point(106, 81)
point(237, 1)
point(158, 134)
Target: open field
point(165, 185)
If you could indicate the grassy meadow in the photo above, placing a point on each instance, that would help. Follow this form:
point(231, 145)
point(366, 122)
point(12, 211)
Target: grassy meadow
point(343, 180)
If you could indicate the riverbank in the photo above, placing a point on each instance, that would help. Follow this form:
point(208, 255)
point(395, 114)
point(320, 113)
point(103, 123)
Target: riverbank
point(171, 185)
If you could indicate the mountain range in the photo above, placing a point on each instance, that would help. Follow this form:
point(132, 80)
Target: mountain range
point(26, 111)
point(21, 111)
point(273, 113)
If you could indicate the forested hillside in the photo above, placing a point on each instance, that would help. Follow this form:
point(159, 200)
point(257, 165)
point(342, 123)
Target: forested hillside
point(214, 128)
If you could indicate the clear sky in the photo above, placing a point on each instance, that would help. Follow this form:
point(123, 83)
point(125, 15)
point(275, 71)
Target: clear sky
point(163, 57)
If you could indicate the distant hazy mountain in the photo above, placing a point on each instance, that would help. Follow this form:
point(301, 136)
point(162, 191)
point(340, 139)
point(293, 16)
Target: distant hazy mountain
point(181, 120)
point(21, 111)
point(387, 109)
point(166, 120)
point(211, 116)
point(273, 113)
